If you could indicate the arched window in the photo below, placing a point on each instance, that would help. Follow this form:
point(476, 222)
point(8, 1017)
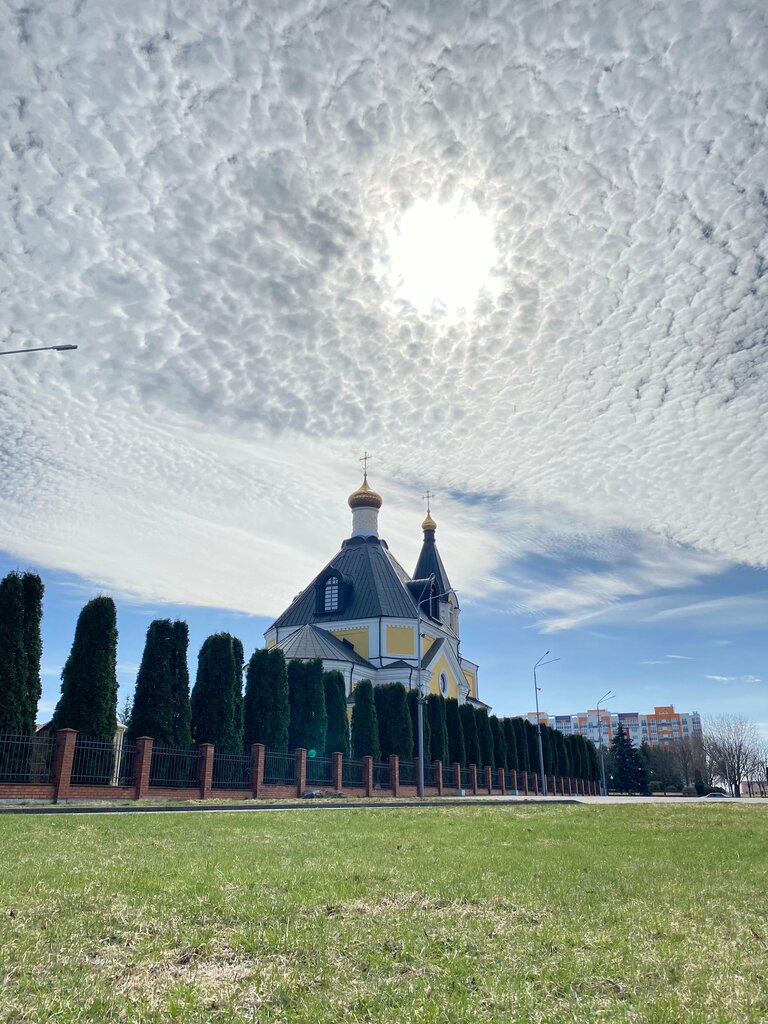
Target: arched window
point(444, 684)
point(331, 594)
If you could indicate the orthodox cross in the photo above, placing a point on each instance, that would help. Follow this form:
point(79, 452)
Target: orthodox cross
point(365, 460)
point(426, 497)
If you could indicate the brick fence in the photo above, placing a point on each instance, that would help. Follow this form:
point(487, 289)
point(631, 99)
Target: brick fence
point(59, 767)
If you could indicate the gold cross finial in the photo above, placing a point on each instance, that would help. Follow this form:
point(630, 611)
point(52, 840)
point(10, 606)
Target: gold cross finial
point(427, 497)
point(365, 460)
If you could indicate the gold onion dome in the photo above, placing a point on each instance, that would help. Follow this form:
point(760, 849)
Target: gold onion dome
point(429, 523)
point(365, 496)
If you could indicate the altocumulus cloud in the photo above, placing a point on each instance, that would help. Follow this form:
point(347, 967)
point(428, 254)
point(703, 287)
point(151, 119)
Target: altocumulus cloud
point(201, 196)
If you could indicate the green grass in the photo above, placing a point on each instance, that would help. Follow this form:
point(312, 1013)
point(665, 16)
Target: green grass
point(478, 914)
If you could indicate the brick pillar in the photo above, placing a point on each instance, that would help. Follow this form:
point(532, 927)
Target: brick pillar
point(525, 782)
point(62, 763)
point(502, 782)
point(439, 777)
point(301, 770)
point(368, 774)
point(258, 753)
point(205, 770)
point(473, 779)
point(394, 773)
point(142, 765)
point(487, 783)
point(457, 774)
point(570, 786)
point(336, 771)
point(513, 778)
point(535, 783)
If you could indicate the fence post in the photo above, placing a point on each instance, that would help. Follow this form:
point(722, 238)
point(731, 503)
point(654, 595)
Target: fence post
point(473, 779)
point(457, 775)
point(570, 786)
point(368, 774)
point(535, 784)
point(416, 774)
point(257, 768)
point(337, 772)
point(488, 779)
point(205, 770)
point(502, 781)
point(394, 774)
point(62, 763)
point(142, 766)
point(513, 778)
point(439, 777)
point(301, 770)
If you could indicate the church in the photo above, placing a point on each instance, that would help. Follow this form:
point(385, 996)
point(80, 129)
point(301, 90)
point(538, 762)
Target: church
point(365, 616)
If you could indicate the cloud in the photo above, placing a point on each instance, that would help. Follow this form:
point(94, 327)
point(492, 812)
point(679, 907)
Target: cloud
point(679, 657)
point(734, 679)
point(201, 197)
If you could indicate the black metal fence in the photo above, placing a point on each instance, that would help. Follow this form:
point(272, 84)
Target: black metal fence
point(466, 779)
point(175, 768)
point(407, 773)
point(93, 763)
point(279, 769)
point(430, 774)
point(382, 777)
point(231, 771)
point(352, 773)
point(319, 771)
point(26, 758)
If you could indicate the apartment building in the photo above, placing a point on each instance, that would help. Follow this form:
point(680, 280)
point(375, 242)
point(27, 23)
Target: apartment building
point(663, 726)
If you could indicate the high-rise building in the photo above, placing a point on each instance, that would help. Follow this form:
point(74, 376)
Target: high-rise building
point(663, 726)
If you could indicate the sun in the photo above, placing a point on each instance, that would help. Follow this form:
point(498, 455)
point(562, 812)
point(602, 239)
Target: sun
point(442, 255)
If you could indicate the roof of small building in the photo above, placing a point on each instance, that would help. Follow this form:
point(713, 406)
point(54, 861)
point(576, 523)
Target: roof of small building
point(312, 642)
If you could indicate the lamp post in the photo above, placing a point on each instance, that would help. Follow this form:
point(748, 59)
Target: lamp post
point(536, 688)
point(606, 696)
point(419, 695)
point(43, 348)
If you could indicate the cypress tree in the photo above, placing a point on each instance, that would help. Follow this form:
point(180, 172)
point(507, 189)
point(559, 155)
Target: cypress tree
point(14, 669)
point(485, 737)
point(499, 743)
point(337, 738)
point(265, 709)
point(412, 697)
point(214, 696)
point(308, 721)
point(32, 587)
point(438, 729)
point(152, 708)
point(550, 765)
point(239, 656)
point(564, 765)
point(533, 746)
point(471, 740)
point(399, 728)
point(593, 761)
point(181, 714)
point(510, 740)
point(457, 753)
point(365, 730)
point(88, 699)
point(381, 696)
point(521, 743)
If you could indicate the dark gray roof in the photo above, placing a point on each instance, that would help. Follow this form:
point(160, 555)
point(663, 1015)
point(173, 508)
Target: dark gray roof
point(313, 642)
point(432, 653)
point(431, 564)
point(377, 586)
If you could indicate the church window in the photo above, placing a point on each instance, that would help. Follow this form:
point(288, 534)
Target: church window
point(443, 684)
point(331, 595)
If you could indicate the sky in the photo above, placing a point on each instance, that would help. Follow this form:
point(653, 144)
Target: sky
point(517, 251)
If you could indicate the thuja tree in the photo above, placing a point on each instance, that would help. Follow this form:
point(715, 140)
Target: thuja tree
point(215, 695)
point(564, 765)
point(499, 743)
point(399, 728)
point(381, 695)
point(485, 737)
point(413, 709)
point(21, 608)
point(471, 741)
point(435, 714)
point(239, 656)
point(152, 708)
point(265, 709)
point(308, 723)
point(337, 737)
point(457, 753)
point(88, 699)
point(533, 746)
point(521, 744)
point(510, 742)
point(181, 708)
point(365, 730)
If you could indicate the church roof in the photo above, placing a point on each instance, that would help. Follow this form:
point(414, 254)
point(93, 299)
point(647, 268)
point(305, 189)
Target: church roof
point(377, 586)
point(431, 564)
point(312, 642)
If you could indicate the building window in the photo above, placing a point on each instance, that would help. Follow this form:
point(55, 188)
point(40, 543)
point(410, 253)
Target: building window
point(331, 594)
point(443, 684)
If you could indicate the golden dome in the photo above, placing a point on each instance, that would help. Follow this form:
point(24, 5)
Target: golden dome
point(429, 523)
point(365, 496)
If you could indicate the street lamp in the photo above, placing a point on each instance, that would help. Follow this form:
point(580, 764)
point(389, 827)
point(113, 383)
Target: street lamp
point(419, 695)
point(43, 348)
point(606, 696)
point(536, 688)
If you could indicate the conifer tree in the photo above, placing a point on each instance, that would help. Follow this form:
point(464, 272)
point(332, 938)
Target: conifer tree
point(533, 746)
point(308, 721)
point(14, 670)
point(628, 771)
point(214, 696)
point(457, 752)
point(399, 728)
point(593, 761)
point(485, 738)
point(510, 739)
point(499, 743)
point(152, 708)
point(365, 731)
point(266, 711)
point(239, 656)
point(181, 715)
point(413, 709)
point(88, 701)
point(438, 728)
point(471, 740)
point(547, 747)
point(521, 744)
point(381, 695)
point(32, 587)
point(337, 738)
point(564, 766)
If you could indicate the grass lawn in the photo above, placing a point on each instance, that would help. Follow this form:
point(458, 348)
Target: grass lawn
point(478, 914)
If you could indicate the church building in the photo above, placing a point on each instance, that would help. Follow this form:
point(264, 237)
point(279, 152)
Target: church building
point(359, 615)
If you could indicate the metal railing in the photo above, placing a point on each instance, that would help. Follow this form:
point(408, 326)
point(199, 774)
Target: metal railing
point(382, 777)
point(430, 774)
point(466, 779)
point(231, 771)
point(352, 773)
point(93, 763)
point(126, 759)
point(320, 771)
point(175, 768)
point(279, 769)
point(26, 758)
point(407, 773)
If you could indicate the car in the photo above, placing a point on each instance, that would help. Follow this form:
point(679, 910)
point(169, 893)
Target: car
point(716, 793)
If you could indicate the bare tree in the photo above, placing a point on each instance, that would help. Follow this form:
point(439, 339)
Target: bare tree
point(733, 747)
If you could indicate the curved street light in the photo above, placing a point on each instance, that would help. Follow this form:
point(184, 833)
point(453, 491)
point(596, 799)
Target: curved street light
point(539, 664)
point(43, 348)
point(606, 696)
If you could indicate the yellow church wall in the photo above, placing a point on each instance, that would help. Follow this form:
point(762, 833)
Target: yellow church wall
point(357, 636)
point(426, 643)
point(400, 640)
point(471, 682)
point(270, 643)
point(434, 686)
